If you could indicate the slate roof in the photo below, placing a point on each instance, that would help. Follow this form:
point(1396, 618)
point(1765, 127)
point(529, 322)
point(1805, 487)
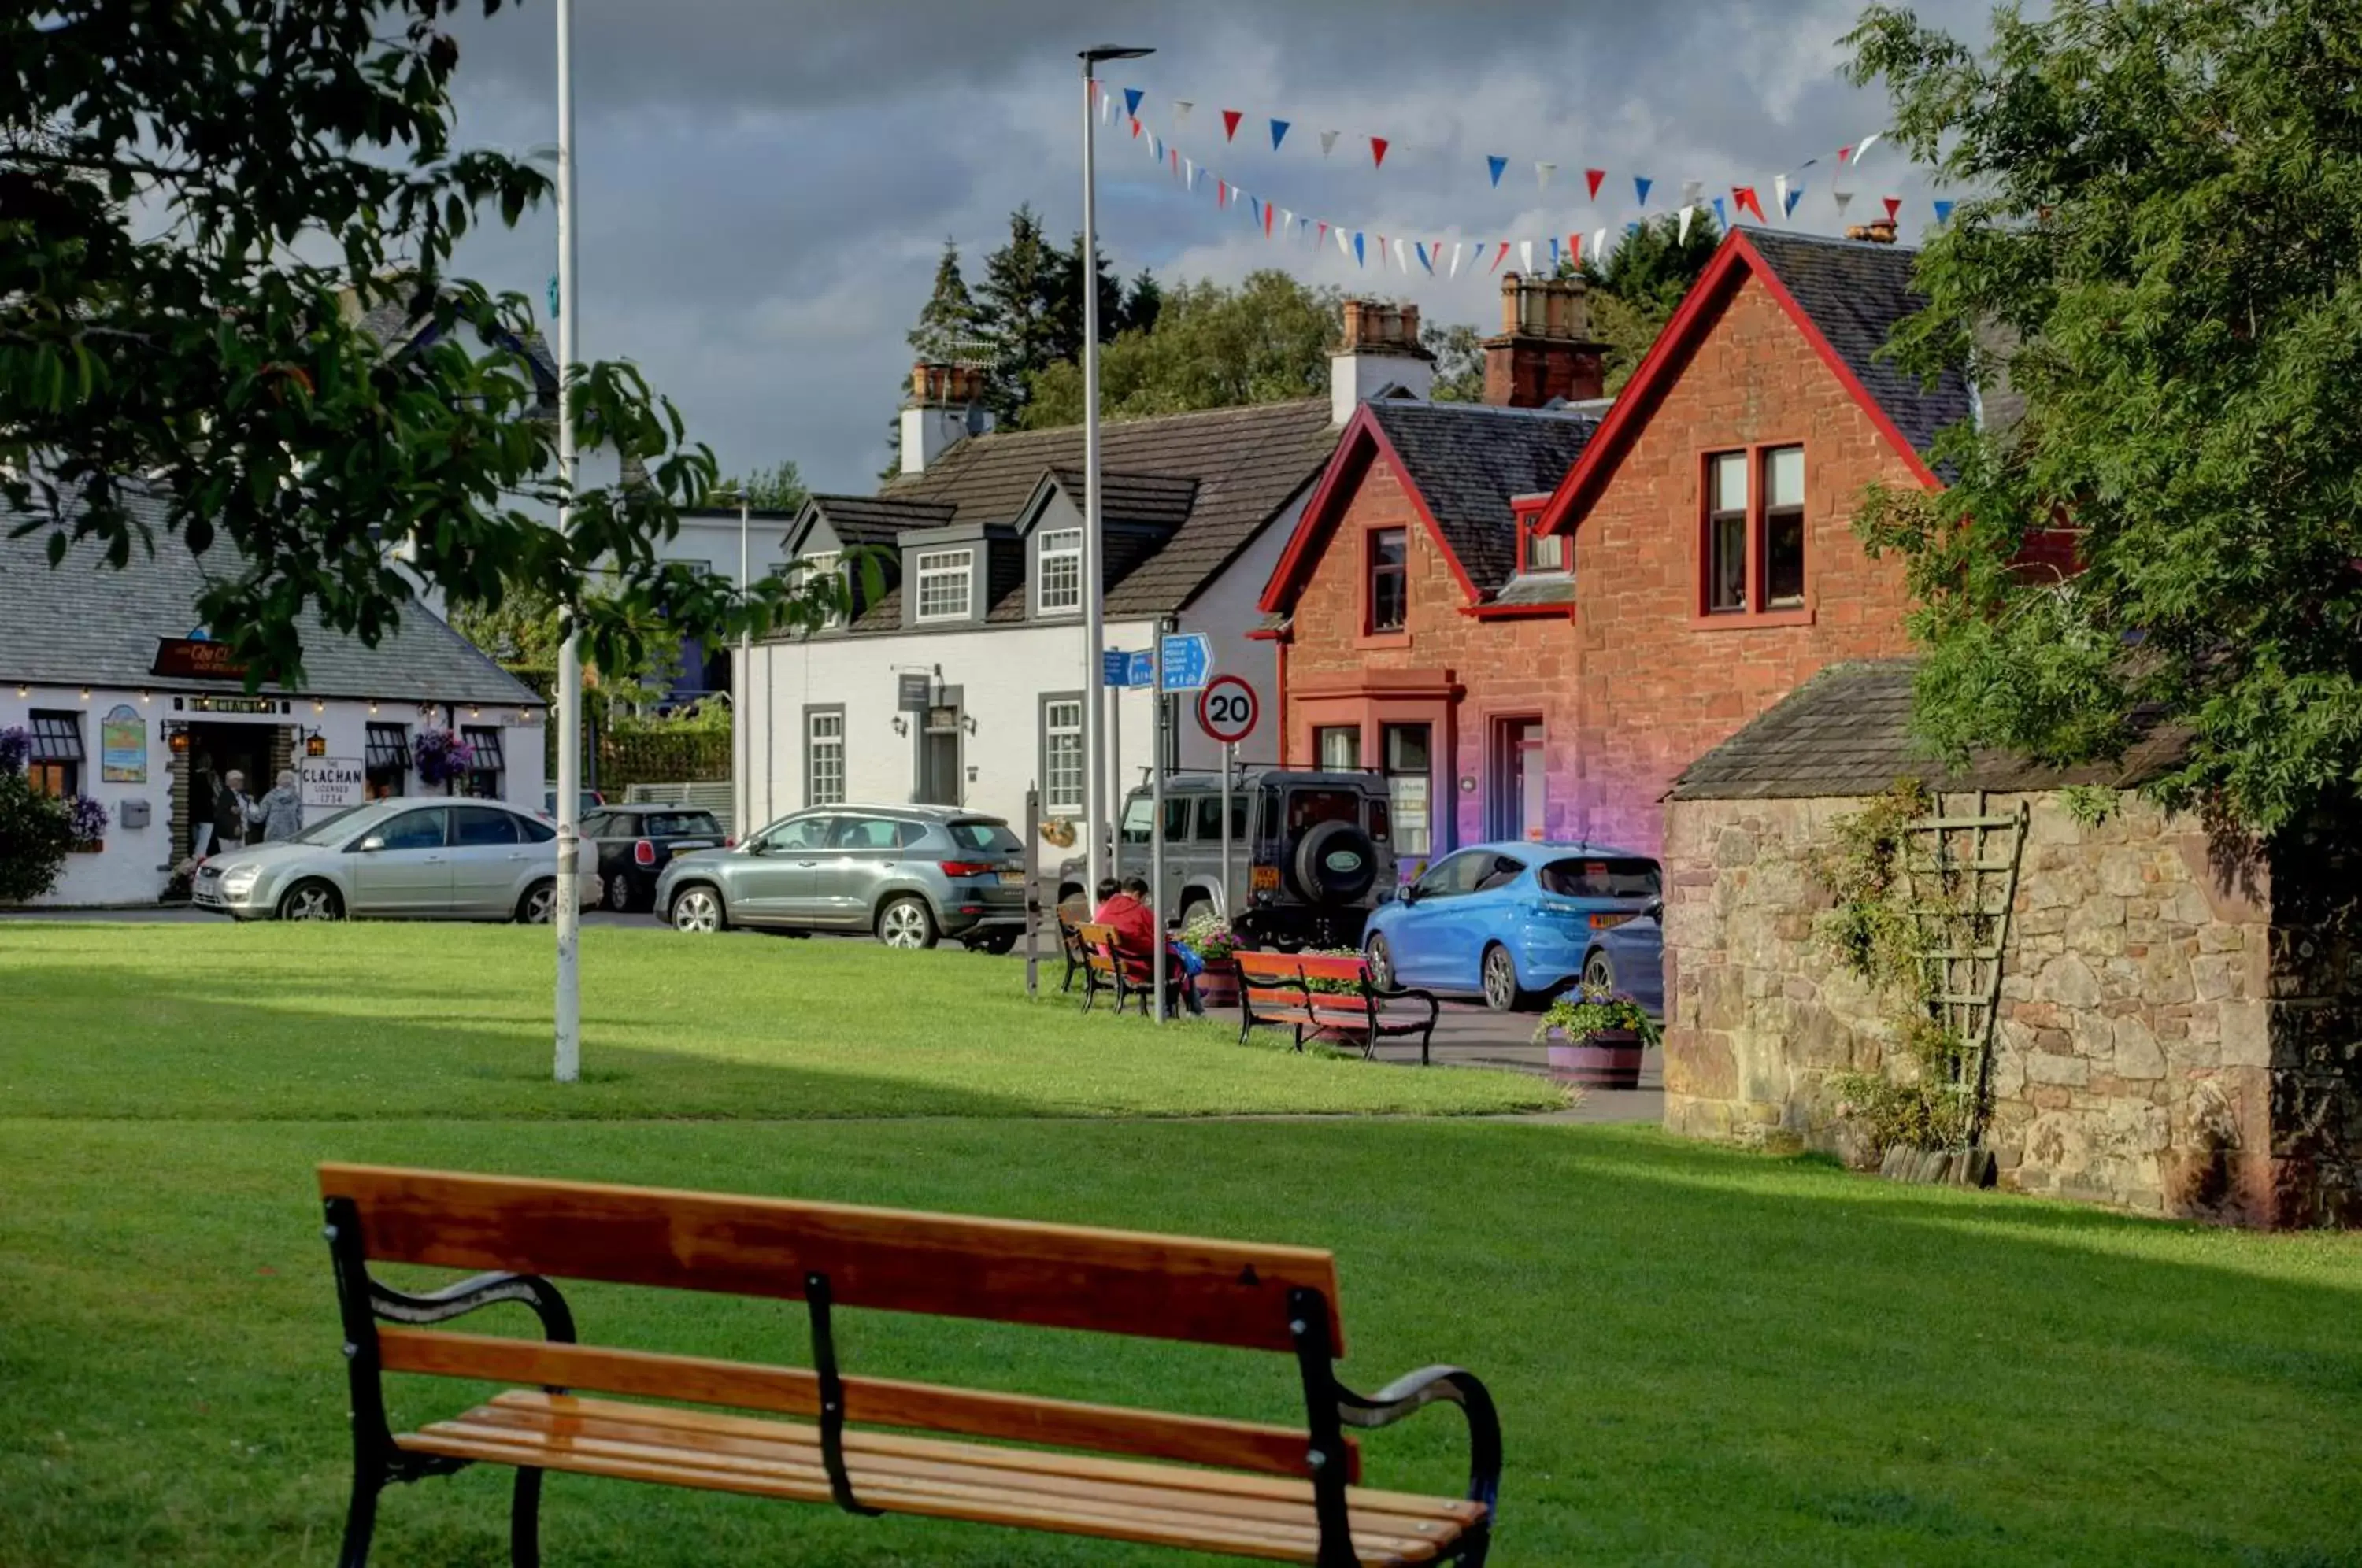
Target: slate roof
point(1154, 500)
point(85, 624)
point(1469, 459)
point(1845, 732)
point(1856, 292)
point(876, 519)
point(1247, 463)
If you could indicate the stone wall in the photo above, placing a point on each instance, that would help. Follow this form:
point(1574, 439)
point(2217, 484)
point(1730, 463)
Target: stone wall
point(2162, 1045)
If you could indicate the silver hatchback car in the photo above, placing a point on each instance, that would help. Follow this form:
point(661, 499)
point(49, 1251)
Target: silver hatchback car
point(399, 859)
point(911, 875)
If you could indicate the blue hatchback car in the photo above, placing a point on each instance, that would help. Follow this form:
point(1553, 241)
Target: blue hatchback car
point(1518, 922)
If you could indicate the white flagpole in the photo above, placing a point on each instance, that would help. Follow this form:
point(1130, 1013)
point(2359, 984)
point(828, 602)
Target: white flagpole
point(567, 916)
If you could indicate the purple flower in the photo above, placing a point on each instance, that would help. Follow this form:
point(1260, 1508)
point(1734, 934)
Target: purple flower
point(16, 746)
point(88, 819)
point(441, 755)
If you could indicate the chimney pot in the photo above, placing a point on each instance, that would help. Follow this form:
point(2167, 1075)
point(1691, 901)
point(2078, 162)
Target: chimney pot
point(945, 406)
point(1380, 347)
point(1544, 351)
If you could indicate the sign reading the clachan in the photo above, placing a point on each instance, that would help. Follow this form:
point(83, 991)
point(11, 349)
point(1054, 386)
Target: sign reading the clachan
point(191, 658)
point(332, 781)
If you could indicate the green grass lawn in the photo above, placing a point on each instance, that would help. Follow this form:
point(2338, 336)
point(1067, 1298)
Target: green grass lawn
point(1701, 1356)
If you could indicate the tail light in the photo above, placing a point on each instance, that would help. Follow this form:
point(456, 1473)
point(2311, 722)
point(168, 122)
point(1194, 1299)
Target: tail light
point(730, 841)
point(1610, 921)
point(643, 853)
point(967, 868)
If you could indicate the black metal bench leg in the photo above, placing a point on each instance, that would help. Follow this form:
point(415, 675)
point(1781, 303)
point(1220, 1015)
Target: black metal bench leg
point(1475, 1546)
point(360, 1519)
point(524, 1520)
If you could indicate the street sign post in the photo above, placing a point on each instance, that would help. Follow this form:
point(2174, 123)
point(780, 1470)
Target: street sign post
point(1156, 824)
point(1186, 661)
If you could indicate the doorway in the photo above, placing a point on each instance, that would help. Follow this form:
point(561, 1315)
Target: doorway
point(1520, 796)
point(939, 756)
point(217, 750)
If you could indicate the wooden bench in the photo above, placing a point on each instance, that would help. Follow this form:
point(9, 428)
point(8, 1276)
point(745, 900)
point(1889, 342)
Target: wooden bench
point(1108, 965)
point(1278, 988)
point(1237, 1489)
point(1078, 956)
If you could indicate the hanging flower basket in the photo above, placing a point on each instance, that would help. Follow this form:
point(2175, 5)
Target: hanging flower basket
point(441, 756)
point(88, 820)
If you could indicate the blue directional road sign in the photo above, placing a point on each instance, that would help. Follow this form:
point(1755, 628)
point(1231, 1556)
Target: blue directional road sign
point(1141, 672)
point(1119, 668)
point(1188, 661)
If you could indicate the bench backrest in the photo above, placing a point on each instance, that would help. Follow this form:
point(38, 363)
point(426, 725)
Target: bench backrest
point(1102, 948)
point(1351, 970)
point(1066, 1276)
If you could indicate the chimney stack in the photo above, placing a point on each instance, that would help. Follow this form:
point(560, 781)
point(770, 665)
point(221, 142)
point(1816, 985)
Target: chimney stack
point(945, 404)
point(1380, 349)
point(1545, 350)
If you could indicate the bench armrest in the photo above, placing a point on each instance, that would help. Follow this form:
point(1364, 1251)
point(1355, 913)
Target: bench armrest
point(468, 1294)
point(1428, 1386)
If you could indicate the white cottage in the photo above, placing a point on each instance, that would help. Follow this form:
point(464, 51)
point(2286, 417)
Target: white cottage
point(129, 701)
point(982, 609)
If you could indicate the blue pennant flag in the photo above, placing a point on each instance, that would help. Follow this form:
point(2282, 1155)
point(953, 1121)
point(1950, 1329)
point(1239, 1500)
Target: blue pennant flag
point(1496, 165)
point(1278, 129)
point(1721, 219)
point(1131, 97)
point(1641, 184)
point(1554, 252)
point(1795, 194)
point(1357, 247)
point(1943, 212)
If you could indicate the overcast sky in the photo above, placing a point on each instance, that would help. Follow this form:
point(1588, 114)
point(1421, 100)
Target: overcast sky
point(765, 184)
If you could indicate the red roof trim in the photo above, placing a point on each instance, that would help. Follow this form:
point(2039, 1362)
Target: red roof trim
point(1662, 366)
point(1363, 440)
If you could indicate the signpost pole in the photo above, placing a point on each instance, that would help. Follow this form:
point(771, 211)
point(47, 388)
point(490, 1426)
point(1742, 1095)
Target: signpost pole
point(1230, 755)
point(1156, 819)
point(1032, 892)
point(1114, 794)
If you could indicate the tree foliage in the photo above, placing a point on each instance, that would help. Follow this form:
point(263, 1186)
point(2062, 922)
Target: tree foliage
point(1459, 350)
point(2163, 206)
point(779, 488)
point(949, 322)
point(1212, 346)
point(36, 831)
point(1029, 311)
point(193, 199)
point(1636, 291)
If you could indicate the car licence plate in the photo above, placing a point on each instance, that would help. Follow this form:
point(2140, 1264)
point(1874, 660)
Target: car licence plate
point(683, 846)
point(1012, 879)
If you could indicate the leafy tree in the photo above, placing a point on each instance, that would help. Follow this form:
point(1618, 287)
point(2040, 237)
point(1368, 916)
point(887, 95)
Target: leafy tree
point(2163, 205)
point(778, 488)
point(1641, 284)
point(36, 831)
point(1021, 304)
point(189, 195)
point(949, 321)
point(1212, 346)
point(1141, 303)
point(1458, 351)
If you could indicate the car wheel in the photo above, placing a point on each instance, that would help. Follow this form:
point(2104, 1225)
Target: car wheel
point(1598, 972)
point(312, 901)
point(906, 922)
point(1501, 990)
point(1382, 963)
point(539, 905)
point(698, 909)
point(619, 894)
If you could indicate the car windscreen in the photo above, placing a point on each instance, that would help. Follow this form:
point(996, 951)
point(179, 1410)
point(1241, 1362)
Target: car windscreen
point(1138, 813)
point(1592, 877)
point(983, 832)
point(1309, 808)
point(332, 829)
point(679, 824)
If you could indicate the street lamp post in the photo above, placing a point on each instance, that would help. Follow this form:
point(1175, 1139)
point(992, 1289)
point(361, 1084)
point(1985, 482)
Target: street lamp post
point(1096, 805)
point(567, 917)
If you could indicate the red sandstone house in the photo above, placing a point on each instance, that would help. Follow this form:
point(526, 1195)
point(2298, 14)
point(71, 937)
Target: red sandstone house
point(1422, 623)
point(1565, 659)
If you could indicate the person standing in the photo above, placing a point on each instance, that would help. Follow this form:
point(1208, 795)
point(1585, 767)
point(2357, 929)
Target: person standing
point(281, 812)
point(229, 812)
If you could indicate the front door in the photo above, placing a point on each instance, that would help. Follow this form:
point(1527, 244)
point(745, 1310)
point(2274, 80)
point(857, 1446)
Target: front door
point(862, 853)
point(406, 870)
point(939, 757)
point(488, 864)
point(1520, 796)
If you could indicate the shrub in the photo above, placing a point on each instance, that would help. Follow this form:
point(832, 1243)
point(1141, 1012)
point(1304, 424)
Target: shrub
point(1932, 1107)
point(1597, 1011)
point(35, 833)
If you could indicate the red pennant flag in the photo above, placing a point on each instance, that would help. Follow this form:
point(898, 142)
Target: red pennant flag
point(1499, 256)
point(1743, 198)
point(1321, 238)
point(1176, 160)
point(1266, 220)
point(1893, 206)
point(1574, 250)
point(1221, 192)
point(1844, 153)
point(1136, 130)
point(1382, 250)
point(1594, 177)
point(1377, 152)
point(1229, 125)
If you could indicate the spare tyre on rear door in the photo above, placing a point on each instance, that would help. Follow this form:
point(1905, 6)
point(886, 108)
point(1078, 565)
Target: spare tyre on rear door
point(1335, 864)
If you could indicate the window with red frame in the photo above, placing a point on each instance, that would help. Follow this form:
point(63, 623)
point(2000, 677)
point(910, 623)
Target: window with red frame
point(1544, 552)
point(1389, 585)
point(1726, 533)
point(1752, 555)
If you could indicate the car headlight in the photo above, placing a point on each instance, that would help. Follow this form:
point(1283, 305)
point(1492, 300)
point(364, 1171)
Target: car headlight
point(239, 880)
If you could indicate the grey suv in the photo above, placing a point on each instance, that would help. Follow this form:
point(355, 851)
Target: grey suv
point(1311, 852)
point(911, 874)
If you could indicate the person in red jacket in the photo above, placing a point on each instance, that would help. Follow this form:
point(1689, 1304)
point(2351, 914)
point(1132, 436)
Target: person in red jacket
point(1135, 920)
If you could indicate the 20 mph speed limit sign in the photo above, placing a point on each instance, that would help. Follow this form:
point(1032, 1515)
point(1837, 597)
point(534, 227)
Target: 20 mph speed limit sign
point(1227, 709)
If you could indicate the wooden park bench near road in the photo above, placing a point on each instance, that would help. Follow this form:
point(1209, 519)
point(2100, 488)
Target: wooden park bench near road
point(1280, 988)
point(1284, 1493)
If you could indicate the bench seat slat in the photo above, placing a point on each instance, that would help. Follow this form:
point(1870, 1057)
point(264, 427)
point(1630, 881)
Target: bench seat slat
point(870, 1401)
point(1207, 1510)
point(1068, 1276)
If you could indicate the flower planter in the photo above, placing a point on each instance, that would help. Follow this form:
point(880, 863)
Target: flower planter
point(1610, 1060)
point(1218, 984)
point(87, 847)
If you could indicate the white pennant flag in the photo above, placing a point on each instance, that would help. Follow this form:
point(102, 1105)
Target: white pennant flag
point(1344, 243)
point(1287, 220)
point(1780, 194)
point(1525, 256)
point(1188, 173)
point(1681, 233)
point(1107, 106)
point(1328, 140)
point(1542, 173)
point(1599, 246)
point(1861, 148)
point(1457, 247)
point(1402, 254)
point(1181, 107)
point(1843, 197)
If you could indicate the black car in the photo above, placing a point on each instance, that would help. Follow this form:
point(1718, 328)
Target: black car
point(637, 842)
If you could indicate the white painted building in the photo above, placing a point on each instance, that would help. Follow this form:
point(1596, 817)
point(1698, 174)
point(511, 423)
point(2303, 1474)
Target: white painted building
point(979, 539)
point(128, 702)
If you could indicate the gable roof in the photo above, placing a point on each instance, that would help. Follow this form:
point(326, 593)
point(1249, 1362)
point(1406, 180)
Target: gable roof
point(1846, 296)
point(1463, 464)
point(1152, 501)
point(876, 519)
point(86, 624)
point(1246, 463)
point(1845, 732)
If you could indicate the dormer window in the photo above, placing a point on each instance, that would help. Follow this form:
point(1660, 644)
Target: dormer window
point(819, 563)
point(945, 579)
point(1544, 552)
point(1058, 572)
